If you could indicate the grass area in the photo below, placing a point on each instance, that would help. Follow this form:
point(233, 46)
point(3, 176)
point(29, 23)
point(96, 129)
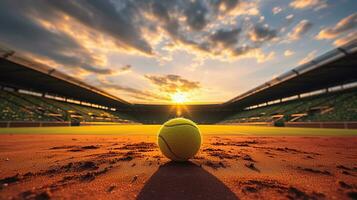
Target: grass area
point(205, 129)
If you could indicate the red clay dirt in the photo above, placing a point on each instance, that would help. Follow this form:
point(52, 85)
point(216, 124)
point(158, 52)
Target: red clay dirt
point(132, 167)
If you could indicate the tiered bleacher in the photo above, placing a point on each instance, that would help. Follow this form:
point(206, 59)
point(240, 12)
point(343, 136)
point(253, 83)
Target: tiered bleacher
point(15, 106)
point(328, 107)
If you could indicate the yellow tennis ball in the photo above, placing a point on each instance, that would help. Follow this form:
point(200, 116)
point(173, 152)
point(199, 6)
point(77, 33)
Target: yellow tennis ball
point(179, 139)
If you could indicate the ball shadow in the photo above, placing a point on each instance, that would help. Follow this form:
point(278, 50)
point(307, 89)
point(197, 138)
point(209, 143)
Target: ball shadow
point(184, 180)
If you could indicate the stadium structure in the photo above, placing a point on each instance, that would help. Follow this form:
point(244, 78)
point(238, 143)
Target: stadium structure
point(320, 93)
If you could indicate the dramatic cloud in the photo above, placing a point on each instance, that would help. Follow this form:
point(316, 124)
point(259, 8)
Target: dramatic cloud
point(346, 24)
point(88, 39)
point(173, 83)
point(300, 29)
point(197, 15)
point(304, 4)
point(21, 33)
point(129, 26)
point(103, 16)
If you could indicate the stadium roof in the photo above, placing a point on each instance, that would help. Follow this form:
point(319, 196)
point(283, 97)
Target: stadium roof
point(18, 72)
point(336, 67)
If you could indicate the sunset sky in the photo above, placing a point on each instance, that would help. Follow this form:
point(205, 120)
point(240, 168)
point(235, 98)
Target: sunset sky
point(146, 51)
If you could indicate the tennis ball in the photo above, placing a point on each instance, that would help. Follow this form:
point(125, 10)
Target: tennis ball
point(179, 139)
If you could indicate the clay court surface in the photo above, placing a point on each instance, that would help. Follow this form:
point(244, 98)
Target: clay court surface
point(124, 162)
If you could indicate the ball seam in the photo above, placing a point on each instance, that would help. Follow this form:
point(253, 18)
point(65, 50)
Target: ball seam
point(168, 146)
point(174, 125)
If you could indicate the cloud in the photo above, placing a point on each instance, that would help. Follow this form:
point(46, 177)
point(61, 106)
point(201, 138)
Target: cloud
point(137, 94)
point(226, 37)
point(225, 5)
point(308, 58)
point(289, 17)
point(344, 25)
point(252, 52)
point(344, 40)
point(168, 17)
point(262, 33)
point(196, 14)
point(276, 10)
point(166, 85)
point(22, 33)
point(104, 16)
point(129, 26)
point(288, 53)
point(173, 83)
point(182, 21)
point(300, 29)
point(305, 4)
point(246, 8)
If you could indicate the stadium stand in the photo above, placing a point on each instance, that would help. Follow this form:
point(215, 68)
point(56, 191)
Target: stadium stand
point(328, 107)
point(16, 106)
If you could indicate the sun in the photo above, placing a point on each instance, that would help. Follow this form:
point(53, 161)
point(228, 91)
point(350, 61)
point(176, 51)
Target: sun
point(178, 97)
